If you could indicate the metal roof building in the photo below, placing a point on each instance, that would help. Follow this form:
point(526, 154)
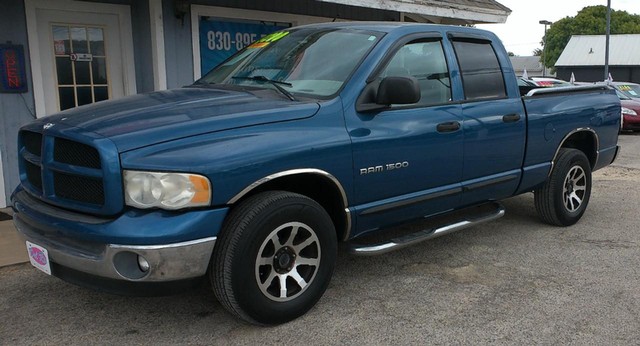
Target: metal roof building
point(531, 64)
point(584, 55)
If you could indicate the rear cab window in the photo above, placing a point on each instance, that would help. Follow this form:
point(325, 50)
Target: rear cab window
point(480, 69)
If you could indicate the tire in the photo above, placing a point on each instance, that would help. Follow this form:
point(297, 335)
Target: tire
point(256, 250)
point(564, 197)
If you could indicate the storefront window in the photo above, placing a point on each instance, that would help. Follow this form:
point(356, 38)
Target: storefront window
point(220, 38)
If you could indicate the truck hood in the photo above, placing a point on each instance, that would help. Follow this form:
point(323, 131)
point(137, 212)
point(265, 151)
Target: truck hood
point(146, 119)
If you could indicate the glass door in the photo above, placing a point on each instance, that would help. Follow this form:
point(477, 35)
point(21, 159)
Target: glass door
point(80, 65)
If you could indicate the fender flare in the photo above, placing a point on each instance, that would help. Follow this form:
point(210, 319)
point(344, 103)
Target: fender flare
point(299, 171)
point(568, 135)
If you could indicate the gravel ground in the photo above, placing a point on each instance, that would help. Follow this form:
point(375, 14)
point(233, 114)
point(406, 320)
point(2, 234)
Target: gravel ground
point(512, 281)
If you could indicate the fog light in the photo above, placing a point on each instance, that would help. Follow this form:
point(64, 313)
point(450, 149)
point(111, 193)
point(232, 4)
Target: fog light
point(143, 264)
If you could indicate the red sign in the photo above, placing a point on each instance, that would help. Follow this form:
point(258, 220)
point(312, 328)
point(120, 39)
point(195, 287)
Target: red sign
point(10, 65)
point(12, 70)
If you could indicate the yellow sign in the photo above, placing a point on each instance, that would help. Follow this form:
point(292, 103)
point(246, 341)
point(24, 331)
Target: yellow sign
point(265, 41)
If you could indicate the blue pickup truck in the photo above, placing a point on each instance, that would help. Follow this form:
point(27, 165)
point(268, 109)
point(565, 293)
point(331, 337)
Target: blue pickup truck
point(310, 136)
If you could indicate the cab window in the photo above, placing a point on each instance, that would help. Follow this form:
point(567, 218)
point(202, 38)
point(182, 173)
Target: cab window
point(480, 70)
point(425, 61)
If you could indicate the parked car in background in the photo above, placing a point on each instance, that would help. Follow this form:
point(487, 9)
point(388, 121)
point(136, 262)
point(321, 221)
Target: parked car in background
point(547, 82)
point(525, 85)
point(630, 112)
point(631, 90)
point(526, 82)
point(629, 95)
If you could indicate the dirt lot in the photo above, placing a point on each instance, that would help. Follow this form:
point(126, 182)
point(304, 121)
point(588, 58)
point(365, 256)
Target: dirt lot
point(515, 280)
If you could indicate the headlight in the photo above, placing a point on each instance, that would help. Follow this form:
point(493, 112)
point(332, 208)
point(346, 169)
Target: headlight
point(166, 190)
point(628, 111)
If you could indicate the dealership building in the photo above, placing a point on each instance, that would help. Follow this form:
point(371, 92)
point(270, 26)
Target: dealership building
point(59, 54)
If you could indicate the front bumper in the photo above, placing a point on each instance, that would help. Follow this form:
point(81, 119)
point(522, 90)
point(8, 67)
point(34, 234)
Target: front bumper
point(631, 123)
point(81, 243)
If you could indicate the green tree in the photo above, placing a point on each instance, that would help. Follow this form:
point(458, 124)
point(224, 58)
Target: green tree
point(590, 20)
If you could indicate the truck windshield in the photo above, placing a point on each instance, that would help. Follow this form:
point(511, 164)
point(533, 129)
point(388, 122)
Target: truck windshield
point(308, 62)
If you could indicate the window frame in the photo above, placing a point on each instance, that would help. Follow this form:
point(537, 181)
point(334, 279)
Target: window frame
point(432, 36)
point(67, 55)
point(473, 38)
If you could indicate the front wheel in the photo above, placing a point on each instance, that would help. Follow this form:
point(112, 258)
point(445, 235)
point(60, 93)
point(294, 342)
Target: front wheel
point(564, 197)
point(274, 257)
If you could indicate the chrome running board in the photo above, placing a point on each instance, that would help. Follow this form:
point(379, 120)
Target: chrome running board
point(496, 211)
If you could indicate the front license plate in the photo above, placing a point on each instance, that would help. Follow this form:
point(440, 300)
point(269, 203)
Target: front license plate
point(39, 257)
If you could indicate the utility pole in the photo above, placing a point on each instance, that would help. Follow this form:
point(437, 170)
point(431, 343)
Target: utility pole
point(606, 49)
point(544, 44)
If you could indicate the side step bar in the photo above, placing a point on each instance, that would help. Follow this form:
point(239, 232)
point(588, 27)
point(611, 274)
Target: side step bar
point(496, 211)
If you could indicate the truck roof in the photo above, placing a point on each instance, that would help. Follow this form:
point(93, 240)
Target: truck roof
point(388, 27)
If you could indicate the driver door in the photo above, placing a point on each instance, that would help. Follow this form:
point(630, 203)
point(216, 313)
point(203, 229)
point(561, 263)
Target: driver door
point(408, 158)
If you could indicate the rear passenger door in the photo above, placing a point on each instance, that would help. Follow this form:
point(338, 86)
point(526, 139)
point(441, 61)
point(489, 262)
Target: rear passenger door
point(494, 122)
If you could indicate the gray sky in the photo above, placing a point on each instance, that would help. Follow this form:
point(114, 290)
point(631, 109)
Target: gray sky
point(522, 34)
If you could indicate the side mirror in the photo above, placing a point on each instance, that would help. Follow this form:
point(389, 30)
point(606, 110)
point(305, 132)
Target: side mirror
point(398, 90)
point(377, 96)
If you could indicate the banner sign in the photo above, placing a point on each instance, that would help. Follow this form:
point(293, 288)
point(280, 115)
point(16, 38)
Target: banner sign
point(13, 76)
point(221, 39)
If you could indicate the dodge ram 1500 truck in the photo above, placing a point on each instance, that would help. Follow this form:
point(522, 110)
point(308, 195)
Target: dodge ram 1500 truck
point(310, 136)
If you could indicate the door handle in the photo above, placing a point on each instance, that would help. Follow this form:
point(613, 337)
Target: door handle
point(448, 127)
point(511, 118)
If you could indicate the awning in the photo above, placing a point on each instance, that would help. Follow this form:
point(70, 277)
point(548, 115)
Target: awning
point(438, 11)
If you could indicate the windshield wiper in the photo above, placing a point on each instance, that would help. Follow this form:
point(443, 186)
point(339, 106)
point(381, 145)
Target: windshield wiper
point(275, 83)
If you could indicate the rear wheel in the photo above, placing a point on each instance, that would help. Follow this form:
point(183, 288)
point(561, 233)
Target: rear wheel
point(274, 257)
point(564, 197)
